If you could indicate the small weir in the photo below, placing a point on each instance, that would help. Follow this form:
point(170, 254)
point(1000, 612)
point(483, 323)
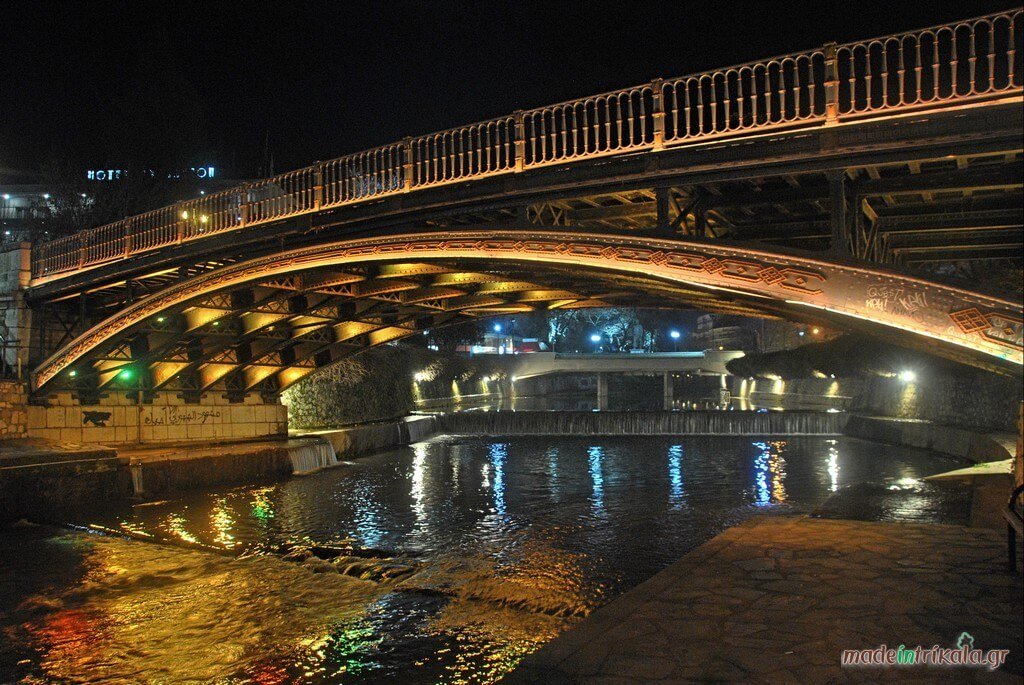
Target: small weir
point(312, 456)
point(643, 423)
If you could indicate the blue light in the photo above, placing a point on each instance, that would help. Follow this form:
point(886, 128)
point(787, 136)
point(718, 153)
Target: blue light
point(675, 475)
point(595, 338)
point(675, 335)
point(594, 457)
point(498, 455)
point(497, 328)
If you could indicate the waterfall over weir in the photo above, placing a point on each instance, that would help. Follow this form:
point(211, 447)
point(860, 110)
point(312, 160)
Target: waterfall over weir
point(643, 423)
point(311, 456)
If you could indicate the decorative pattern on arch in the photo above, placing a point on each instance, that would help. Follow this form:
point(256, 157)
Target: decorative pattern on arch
point(984, 325)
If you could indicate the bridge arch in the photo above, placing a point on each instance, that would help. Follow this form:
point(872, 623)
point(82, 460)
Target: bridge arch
point(312, 295)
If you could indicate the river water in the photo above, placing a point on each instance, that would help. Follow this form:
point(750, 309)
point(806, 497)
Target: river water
point(446, 561)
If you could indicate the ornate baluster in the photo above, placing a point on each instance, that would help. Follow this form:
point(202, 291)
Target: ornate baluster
point(1011, 54)
point(972, 64)
point(832, 83)
point(991, 56)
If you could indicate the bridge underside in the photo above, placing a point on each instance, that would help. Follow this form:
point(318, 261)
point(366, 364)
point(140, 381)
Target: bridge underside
point(263, 324)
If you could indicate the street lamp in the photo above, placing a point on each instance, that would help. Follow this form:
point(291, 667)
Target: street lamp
point(497, 328)
point(674, 334)
point(595, 338)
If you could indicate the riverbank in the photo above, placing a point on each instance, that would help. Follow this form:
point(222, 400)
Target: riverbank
point(778, 599)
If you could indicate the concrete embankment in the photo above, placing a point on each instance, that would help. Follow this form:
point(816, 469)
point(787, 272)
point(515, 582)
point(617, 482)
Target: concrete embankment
point(355, 441)
point(959, 442)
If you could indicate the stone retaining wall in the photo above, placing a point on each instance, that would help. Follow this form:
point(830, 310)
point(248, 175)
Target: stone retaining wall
point(972, 400)
point(13, 410)
point(166, 419)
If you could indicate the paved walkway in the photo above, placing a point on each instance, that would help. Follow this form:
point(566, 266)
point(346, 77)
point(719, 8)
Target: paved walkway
point(776, 600)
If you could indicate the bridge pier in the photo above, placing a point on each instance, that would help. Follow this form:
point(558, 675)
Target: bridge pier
point(602, 391)
point(15, 337)
point(668, 390)
point(15, 314)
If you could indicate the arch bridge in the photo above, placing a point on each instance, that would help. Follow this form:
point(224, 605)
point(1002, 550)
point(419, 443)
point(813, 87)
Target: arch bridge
point(848, 185)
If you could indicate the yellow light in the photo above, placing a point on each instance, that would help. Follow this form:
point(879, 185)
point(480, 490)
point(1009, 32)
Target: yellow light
point(184, 214)
point(204, 219)
point(815, 331)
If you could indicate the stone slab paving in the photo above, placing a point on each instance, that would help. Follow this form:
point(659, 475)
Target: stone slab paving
point(776, 599)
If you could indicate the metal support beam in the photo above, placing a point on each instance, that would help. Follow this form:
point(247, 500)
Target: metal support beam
point(837, 197)
point(661, 198)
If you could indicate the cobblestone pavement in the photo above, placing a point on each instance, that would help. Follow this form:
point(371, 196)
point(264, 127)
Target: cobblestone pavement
point(776, 600)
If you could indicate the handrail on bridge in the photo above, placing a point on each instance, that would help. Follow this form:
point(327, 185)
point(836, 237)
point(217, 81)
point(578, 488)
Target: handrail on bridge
point(951, 63)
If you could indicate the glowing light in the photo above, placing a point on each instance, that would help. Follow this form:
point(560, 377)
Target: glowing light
point(6, 196)
point(184, 214)
point(674, 335)
point(815, 331)
point(595, 338)
point(126, 374)
point(419, 377)
point(159, 319)
point(908, 376)
point(204, 219)
point(497, 328)
point(46, 196)
point(72, 373)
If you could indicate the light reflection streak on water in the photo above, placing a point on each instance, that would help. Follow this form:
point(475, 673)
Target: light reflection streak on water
point(367, 517)
point(777, 465)
point(416, 491)
point(594, 456)
point(676, 496)
point(498, 453)
point(262, 505)
point(553, 473)
point(769, 473)
point(833, 465)
point(221, 522)
point(175, 524)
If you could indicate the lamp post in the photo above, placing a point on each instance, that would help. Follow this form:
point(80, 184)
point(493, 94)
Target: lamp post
point(674, 334)
point(596, 339)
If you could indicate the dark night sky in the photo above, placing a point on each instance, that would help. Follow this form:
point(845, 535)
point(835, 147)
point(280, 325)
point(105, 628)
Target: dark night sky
point(95, 82)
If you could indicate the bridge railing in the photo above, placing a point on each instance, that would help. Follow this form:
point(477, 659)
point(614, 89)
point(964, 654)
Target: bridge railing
point(949, 64)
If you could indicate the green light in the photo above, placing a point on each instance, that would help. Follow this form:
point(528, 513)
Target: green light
point(159, 319)
point(126, 374)
point(72, 373)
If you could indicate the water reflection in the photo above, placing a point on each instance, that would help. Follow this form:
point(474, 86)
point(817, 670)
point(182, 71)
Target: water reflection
point(467, 597)
point(553, 487)
point(368, 531)
point(833, 464)
point(221, 522)
point(675, 476)
point(417, 492)
point(769, 473)
point(498, 454)
point(594, 457)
